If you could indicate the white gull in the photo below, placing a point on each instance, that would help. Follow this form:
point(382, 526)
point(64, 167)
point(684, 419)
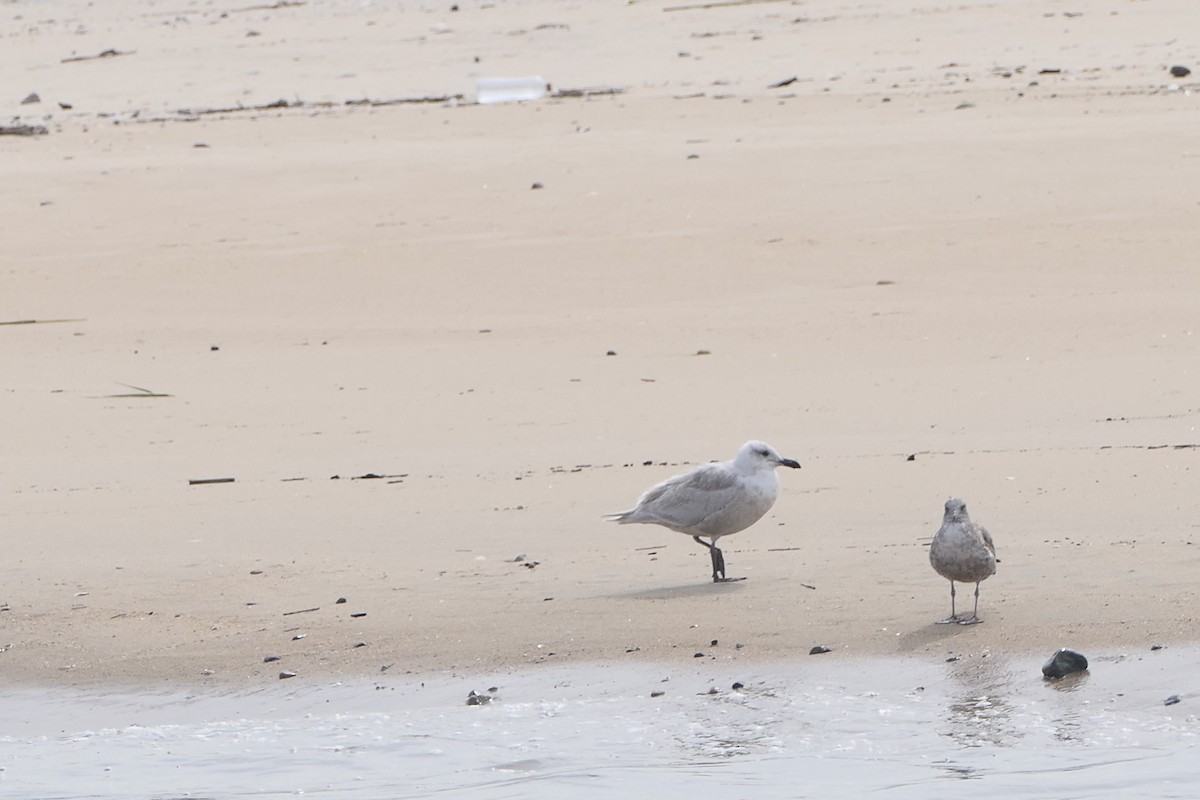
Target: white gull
point(714, 500)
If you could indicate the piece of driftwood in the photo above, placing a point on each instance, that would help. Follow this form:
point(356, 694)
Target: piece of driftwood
point(206, 481)
point(587, 92)
point(301, 104)
point(23, 130)
point(301, 611)
point(109, 53)
point(138, 391)
point(720, 4)
point(271, 6)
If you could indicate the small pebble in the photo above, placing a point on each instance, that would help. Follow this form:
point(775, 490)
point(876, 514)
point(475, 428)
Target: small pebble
point(256, 572)
point(816, 651)
point(360, 644)
point(299, 636)
point(713, 643)
point(1178, 71)
point(339, 601)
point(359, 614)
point(698, 655)
point(1156, 647)
point(287, 673)
point(1172, 700)
point(536, 185)
point(269, 659)
point(658, 693)
point(737, 685)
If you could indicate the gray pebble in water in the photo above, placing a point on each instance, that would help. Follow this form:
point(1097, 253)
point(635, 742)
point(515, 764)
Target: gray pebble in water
point(1172, 700)
point(1064, 662)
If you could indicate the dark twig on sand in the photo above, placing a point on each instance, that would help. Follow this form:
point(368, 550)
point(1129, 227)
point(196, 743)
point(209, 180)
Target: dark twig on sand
point(109, 53)
point(23, 130)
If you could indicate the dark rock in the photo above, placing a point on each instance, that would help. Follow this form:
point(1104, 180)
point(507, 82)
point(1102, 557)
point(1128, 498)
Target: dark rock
point(269, 659)
point(360, 644)
point(287, 673)
point(951, 659)
point(339, 601)
point(737, 685)
point(537, 185)
point(1156, 647)
point(698, 655)
point(1178, 71)
point(1172, 700)
point(357, 614)
point(476, 699)
point(713, 643)
point(1064, 662)
point(816, 651)
point(657, 693)
point(30, 99)
point(611, 353)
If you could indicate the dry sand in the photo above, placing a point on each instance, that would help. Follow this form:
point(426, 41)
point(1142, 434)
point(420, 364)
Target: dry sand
point(924, 245)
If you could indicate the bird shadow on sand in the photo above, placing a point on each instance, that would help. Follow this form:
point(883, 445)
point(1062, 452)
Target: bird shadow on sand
point(929, 634)
point(688, 590)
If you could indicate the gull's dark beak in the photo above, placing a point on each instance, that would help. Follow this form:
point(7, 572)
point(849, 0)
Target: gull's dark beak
point(787, 462)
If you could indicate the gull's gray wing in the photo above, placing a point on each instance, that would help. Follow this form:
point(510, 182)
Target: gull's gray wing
point(686, 501)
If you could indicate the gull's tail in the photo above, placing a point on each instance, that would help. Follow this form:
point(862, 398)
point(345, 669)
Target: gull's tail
point(623, 517)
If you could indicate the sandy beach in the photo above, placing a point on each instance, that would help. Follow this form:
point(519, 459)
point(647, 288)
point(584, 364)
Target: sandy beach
point(954, 256)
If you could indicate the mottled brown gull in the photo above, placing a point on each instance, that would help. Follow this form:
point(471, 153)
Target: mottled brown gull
point(714, 500)
point(962, 551)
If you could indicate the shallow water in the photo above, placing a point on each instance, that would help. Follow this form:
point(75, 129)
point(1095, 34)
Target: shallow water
point(822, 726)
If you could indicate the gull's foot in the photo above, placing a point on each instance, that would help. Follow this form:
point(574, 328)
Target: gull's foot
point(727, 580)
point(948, 620)
point(969, 621)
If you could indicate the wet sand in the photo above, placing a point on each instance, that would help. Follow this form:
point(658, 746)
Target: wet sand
point(981, 727)
point(954, 257)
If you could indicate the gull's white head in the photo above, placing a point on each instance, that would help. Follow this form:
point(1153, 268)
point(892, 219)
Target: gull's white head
point(956, 511)
point(755, 456)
